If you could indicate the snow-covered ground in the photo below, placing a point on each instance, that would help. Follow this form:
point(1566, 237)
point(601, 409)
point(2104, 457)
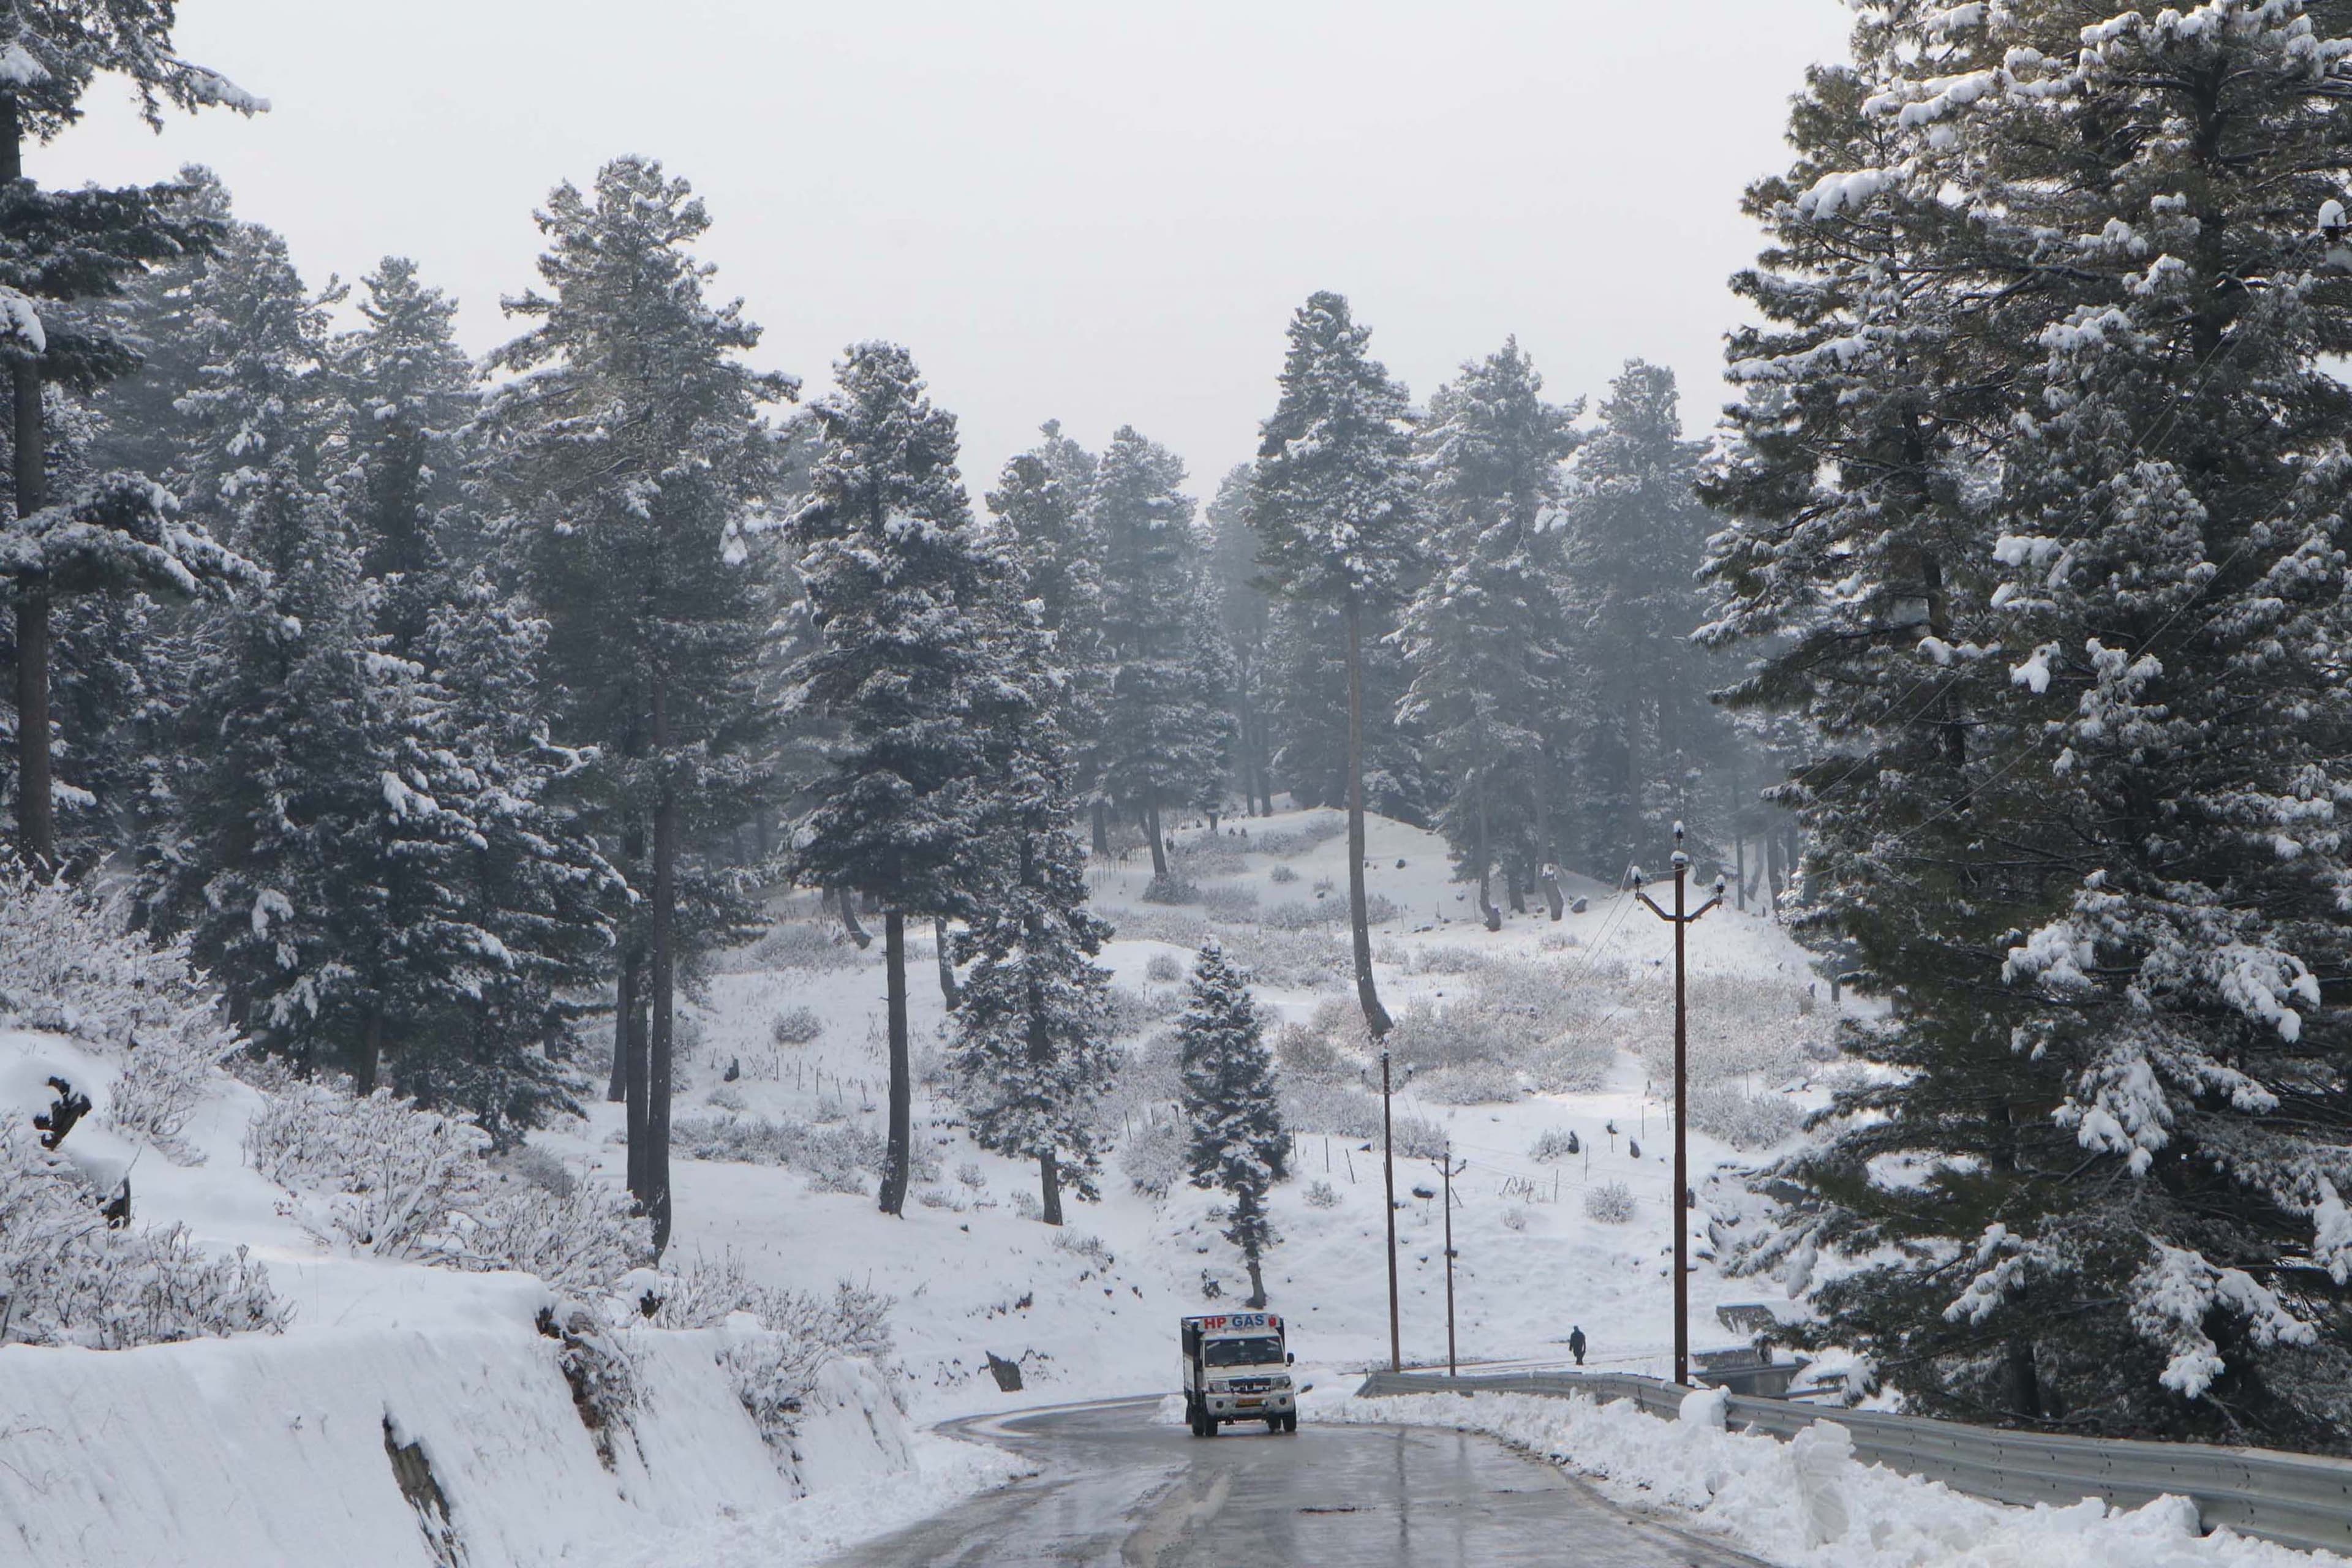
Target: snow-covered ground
point(1808, 1504)
point(1088, 1310)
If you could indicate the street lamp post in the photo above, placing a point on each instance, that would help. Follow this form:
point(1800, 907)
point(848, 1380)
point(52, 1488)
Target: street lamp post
point(1388, 1186)
point(1682, 920)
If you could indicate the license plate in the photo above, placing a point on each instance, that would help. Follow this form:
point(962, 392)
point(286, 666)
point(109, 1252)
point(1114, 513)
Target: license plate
point(1245, 1404)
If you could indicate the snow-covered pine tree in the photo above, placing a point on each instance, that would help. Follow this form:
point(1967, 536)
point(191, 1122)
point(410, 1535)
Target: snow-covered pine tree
point(2037, 517)
point(59, 246)
point(530, 896)
point(1639, 730)
point(898, 583)
point(1245, 622)
point(1033, 1052)
point(1162, 742)
point(409, 388)
point(1235, 1139)
point(1483, 635)
point(1334, 502)
point(622, 463)
point(1041, 497)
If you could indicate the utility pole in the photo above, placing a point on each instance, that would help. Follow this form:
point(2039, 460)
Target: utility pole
point(1388, 1183)
point(1448, 1170)
point(1682, 921)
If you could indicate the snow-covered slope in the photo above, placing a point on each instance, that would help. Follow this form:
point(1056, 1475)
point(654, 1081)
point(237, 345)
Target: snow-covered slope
point(1088, 1310)
point(291, 1447)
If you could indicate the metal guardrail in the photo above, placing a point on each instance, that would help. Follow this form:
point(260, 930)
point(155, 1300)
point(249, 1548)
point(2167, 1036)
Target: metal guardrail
point(2296, 1499)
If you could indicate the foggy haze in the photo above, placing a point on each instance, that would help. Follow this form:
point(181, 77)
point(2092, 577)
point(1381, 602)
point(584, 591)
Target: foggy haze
point(1102, 214)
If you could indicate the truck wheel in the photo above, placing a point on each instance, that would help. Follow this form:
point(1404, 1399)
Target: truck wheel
point(1290, 1422)
point(1208, 1427)
point(1274, 1423)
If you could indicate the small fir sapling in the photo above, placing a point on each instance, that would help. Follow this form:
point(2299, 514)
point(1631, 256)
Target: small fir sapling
point(1235, 1139)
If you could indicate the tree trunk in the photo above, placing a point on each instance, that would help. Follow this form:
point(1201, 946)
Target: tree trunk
point(1376, 1018)
point(625, 1008)
point(1159, 845)
point(1250, 1259)
point(1102, 826)
point(1488, 912)
point(1515, 889)
point(36, 829)
point(634, 1083)
point(2022, 1385)
point(902, 1088)
point(370, 1051)
point(1739, 868)
point(1049, 1182)
point(1545, 848)
point(946, 947)
point(1772, 874)
point(665, 988)
point(848, 901)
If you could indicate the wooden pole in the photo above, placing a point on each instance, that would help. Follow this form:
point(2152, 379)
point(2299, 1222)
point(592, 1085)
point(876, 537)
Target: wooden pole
point(1388, 1182)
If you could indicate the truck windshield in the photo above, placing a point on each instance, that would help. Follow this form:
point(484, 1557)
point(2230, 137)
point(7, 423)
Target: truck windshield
point(1242, 1353)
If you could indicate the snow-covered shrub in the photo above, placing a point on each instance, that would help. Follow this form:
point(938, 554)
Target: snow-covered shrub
point(798, 945)
point(1080, 1245)
point(70, 964)
point(1291, 959)
point(1610, 1203)
point(797, 1026)
point(1163, 968)
point(1304, 1053)
point(579, 1240)
point(1298, 839)
point(66, 1279)
point(1555, 1143)
point(1323, 1107)
point(1280, 875)
point(1322, 1195)
point(1447, 959)
point(539, 1168)
point(1207, 857)
point(1744, 1121)
point(725, 1097)
point(837, 1158)
point(1024, 1204)
point(1177, 928)
point(389, 1179)
point(1171, 888)
point(971, 1175)
point(1472, 1083)
point(1515, 1218)
point(1575, 1064)
point(937, 1198)
point(393, 1174)
point(1153, 1160)
point(1297, 914)
point(1229, 903)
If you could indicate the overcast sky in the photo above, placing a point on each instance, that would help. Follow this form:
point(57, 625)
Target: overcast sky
point(1102, 211)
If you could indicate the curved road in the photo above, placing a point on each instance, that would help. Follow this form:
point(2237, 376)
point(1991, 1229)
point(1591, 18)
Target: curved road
point(1115, 1490)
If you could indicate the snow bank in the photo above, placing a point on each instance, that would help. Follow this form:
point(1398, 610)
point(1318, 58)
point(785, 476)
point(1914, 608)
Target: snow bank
point(1808, 1504)
point(280, 1450)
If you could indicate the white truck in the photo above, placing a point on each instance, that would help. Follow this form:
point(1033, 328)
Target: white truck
point(1237, 1368)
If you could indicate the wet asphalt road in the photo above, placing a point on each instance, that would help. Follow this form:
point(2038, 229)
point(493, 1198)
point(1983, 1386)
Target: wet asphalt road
point(1116, 1491)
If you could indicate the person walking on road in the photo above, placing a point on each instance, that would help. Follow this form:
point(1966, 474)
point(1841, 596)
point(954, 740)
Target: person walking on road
point(1575, 1344)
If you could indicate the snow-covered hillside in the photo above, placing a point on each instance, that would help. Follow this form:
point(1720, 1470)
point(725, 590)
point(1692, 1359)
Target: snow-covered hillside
point(1088, 1309)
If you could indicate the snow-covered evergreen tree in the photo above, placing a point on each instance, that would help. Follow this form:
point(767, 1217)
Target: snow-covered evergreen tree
point(1235, 1139)
point(1162, 739)
point(408, 389)
point(2037, 519)
point(1483, 635)
point(898, 583)
point(1041, 497)
point(623, 462)
point(1334, 502)
point(1033, 1051)
point(1245, 622)
point(1640, 734)
point(58, 247)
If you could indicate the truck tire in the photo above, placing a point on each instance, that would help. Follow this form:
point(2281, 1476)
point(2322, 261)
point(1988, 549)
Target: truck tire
point(1290, 1422)
point(1208, 1427)
point(1274, 1423)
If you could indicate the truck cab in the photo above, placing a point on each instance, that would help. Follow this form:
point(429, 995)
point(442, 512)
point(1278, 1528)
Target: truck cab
point(1237, 1368)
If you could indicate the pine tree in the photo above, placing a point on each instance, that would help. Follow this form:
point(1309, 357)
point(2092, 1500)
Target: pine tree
point(408, 388)
point(1245, 623)
point(623, 462)
point(1042, 498)
point(2036, 518)
point(1483, 634)
point(1033, 1052)
point(1234, 1138)
point(1643, 738)
point(62, 246)
point(1334, 507)
point(898, 583)
point(1162, 736)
